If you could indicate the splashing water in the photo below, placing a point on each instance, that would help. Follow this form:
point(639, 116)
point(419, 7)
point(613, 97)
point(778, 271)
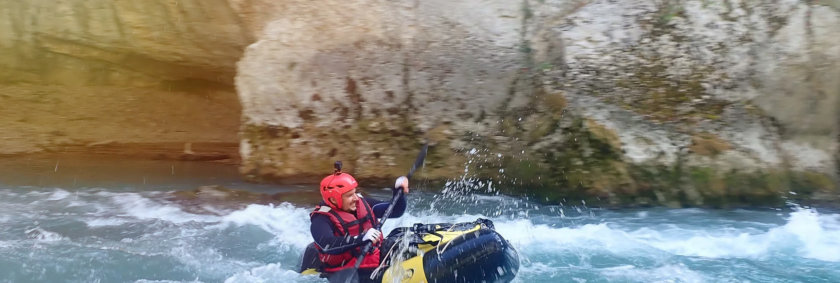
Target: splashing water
point(111, 235)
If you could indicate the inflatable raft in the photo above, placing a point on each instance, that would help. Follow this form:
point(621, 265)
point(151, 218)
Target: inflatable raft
point(444, 252)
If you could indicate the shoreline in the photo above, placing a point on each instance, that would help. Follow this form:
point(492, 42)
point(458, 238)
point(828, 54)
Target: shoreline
point(198, 166)
point(146, 166)
point(221, 152)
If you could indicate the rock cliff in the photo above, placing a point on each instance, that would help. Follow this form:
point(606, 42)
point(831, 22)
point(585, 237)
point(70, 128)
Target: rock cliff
point(146, 77)
point(119, 42)
point(720, 101)
point(363, 81)
point(639, 102)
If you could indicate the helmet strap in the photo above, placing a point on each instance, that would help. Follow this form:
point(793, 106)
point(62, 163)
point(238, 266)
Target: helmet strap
point(333, 203)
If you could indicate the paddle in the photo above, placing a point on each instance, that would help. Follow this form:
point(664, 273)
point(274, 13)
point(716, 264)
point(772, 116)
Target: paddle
point(351, 275)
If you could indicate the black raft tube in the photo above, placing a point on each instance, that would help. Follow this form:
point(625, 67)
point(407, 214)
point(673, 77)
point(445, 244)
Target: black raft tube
point(481, 256)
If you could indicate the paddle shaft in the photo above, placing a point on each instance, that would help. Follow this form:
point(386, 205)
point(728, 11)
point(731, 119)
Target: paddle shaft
point(417, 163)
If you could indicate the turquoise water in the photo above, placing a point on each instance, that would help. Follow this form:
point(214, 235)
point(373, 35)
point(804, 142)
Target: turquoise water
point(95, 231)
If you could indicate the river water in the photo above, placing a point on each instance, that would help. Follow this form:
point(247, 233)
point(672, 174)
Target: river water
point(116, 221)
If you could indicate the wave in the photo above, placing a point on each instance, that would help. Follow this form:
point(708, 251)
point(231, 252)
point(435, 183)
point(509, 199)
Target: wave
point(145, 208)
point(40, 235)
point(263, 242)
point(272, 273)
point(666, 273)
point(287, 223)
point(805, 234)
point(553, 252)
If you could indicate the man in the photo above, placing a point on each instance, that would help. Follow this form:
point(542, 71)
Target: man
point(344, 221)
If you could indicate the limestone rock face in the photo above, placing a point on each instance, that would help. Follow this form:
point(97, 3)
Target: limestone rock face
point(76, 73)
point(360, 80)
point(119, 42)
point(762, 75)
point(737, 87)
point(642, 101)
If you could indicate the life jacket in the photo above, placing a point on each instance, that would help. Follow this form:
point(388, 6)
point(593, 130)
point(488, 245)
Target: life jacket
point(345, 224)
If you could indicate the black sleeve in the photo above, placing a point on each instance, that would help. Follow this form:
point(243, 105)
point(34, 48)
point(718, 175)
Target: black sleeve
point(379, 206)
point(322, 231)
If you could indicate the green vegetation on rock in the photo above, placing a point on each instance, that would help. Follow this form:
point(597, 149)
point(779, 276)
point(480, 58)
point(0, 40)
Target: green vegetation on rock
point(586, 164)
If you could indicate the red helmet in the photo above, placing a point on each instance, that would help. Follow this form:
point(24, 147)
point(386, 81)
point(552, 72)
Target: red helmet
point(335, 185)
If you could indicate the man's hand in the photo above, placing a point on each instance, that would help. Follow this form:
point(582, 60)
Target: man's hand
point(372, 235)
point(402, 182)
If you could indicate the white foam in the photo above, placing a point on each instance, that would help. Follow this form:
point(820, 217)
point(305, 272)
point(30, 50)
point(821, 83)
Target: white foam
point(666, 273)
point(271, 273)
point(806, 233)
point(32, 191)
point(40, 235)
point(810, 234)
point(162, 281)
point(818, 235)
point(102, 222)
point(546, 250)
point(721, 244)
point(206, 260)
point(59, 194)
point(289, 223)
point(140, 207)
point(532, 270)
point(540, 239)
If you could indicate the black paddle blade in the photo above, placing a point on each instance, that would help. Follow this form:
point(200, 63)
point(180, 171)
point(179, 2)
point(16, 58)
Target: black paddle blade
point(349, 275)
point(419, 161)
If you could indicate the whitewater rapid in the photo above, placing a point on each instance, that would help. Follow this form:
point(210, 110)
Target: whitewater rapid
point(107, 235)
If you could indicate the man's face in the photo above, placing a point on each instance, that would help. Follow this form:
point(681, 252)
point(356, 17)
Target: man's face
point(348, 201)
